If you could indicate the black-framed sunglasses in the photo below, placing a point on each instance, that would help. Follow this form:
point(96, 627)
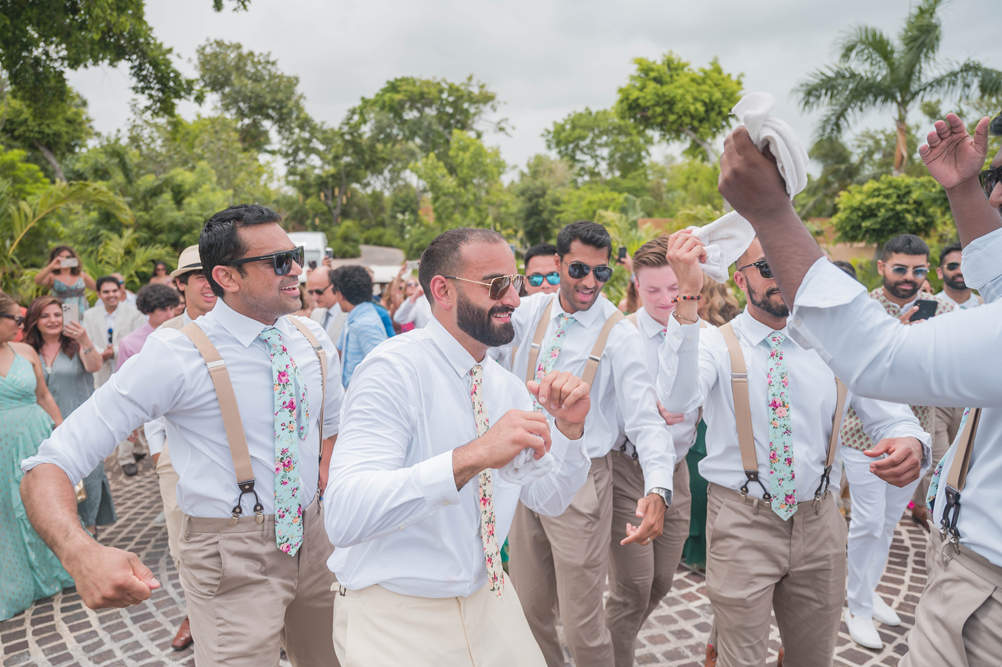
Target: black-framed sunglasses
point(902, 271)
point(281, 261)
point(536, 279)
point(578, 270)
point(318, 292)
point(952, 266)
point(497, 287)
point(763, 268)
point(18, 319)
point(989, 179)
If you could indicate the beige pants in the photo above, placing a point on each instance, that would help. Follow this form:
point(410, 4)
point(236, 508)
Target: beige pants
point(566, 558)
point(756, 563)
point(958, 621)
point(945, 430)
point(374, 627)
point(245, 598)
point(641, 575)
point(168, 494)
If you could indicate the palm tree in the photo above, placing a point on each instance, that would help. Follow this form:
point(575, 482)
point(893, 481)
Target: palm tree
point(875, 72)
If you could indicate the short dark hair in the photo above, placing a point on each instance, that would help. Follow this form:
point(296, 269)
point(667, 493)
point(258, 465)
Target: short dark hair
point(443, 255)
point(353, 282)
point(905, 244)
point(845, 266)
point(182, 279)
point(946, 250)
point(589, 233)
point(154, 297)
point(996, 125)
point(106, 279)
point(539, 250)
point(219, 244)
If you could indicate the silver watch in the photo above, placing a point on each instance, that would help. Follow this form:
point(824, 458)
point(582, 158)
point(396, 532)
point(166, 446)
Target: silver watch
point(664, 493)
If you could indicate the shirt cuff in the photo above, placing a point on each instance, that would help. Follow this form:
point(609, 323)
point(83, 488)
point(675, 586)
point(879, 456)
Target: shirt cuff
point(981, 265)
point(659, 479)
point(826, 285)
point(438, 480)
point(679, 337)
point(567, 450)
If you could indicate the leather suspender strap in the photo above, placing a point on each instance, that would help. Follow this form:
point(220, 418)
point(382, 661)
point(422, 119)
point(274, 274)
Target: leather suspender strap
point(230, 413)
point(742, 411)
point(957, 478)
point(633, 319)
point(537, 340)
point(842, 391)
point(318, 349)
point(591, 366)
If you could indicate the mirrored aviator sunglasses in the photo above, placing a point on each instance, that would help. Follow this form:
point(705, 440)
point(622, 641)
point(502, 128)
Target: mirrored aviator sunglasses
point(536, 279)
point(281, 261)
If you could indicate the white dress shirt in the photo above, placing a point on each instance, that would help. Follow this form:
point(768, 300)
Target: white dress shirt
point(156, 430)
point(972, 302)
point(122, 321)
point(393, 511)
point(952, 361)
point(696, 370)
point(169, 378)
point(417, 311)
point(623, 383)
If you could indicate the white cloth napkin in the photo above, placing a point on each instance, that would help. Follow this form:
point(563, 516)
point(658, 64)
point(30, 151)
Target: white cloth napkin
point(524, 469)
point(727, 237)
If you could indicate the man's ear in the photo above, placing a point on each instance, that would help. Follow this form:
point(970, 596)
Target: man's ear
point(443, 292)
point(223, 275)
point(739, 280)
point(556, 263)
point(881, 267)
point(939, 272)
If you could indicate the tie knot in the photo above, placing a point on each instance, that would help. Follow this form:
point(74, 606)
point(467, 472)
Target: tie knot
point(270, 335)
point(477, 372)
point(776, 339)
point(564, 318)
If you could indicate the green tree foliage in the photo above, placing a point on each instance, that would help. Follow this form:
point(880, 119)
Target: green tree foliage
point(876, 72)
point(23, 179)
point(539, 193)
point(52, 133)
point(883, 208)
point(679, 103)
point(676, 185)
point(601, 145)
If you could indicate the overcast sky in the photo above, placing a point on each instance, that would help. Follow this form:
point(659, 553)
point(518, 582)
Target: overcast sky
point(544, 58)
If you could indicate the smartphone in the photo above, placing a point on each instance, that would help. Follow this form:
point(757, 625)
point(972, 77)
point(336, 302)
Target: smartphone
point(926, 309)
point(412, 264)
point(71, 313)
point(329, 253)
point(622, 254)
point(70, 263)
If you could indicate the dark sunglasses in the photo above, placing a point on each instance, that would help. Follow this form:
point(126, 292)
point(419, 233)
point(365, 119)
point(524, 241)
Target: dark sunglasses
point(536, 279)
point(578, 270)
point(497, 287)
point(281, 261)
point(902, 271)
point(990, 178)
point(317, 292)
point(952, 266)
point(18, 319)
point(763, 268)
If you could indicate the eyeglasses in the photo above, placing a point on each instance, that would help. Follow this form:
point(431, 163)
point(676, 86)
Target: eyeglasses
point(498, 287)
point(952, 266)
point(536, 279)
point(763, 268)
point(902, 271)
point(578, 270)
point(990, 178)
point(18, 319)
point(316, 292)
point(281, 261)
point(412, 284)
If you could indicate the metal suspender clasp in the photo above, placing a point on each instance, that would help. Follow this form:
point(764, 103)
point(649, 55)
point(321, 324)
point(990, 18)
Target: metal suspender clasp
point(823, 486)
point(948, 525)
point(752, 476)
point(247, 487)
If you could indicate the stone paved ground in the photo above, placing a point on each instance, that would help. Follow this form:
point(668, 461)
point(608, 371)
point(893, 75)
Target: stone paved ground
point(61, 631)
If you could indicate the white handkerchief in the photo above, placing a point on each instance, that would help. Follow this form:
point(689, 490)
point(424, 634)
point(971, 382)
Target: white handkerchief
point(524, 469)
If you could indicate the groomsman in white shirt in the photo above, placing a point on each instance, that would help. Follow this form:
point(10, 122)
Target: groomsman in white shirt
point(775, 539)
point(422, 492)
point(565, 558)
point(253, 547)
point(328, 312)
point(959, 616)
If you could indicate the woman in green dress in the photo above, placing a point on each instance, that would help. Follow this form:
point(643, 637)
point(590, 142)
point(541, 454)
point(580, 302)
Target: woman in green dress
point(27, 414)
point(68, 361)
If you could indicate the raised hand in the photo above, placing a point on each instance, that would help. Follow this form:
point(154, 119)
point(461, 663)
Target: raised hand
point(750, 181)
point(685, 252)
point(952, 156)
point(566, 397)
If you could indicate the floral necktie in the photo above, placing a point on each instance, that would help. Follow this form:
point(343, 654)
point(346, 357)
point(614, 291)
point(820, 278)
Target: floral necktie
point(548, 357)
point(492, 553)
point(782, 482)
point(290, 416)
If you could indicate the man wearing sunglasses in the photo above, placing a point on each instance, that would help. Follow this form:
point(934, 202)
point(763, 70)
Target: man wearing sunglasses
point(566, 557)
point(328, 312)
point(955, 288)
point(541, 274)
point(252, 547)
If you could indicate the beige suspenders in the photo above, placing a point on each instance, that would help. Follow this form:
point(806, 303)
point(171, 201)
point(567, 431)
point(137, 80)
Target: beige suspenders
point(591, 365)
point(742, 414)
point(230, 412)
point(957, 479)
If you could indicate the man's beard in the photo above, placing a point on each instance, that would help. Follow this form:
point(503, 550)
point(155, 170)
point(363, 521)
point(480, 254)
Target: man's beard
point(900, 292)
point(956, 282)
point(479, 323)
point(764, 302)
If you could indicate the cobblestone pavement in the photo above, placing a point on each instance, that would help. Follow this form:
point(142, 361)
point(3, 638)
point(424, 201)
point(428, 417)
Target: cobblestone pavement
point(61, 631)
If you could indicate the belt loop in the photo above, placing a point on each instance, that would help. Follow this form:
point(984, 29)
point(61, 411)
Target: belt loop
point(756, 503)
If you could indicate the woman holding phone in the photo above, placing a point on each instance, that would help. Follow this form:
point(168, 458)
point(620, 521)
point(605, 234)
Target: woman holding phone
point(65, 278)
point(68, 360)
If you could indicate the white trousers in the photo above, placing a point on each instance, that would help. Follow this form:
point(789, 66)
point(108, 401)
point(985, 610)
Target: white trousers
point(876, 510)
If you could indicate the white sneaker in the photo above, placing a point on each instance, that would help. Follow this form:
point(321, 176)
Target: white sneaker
point(863, 631)
point(882, 612)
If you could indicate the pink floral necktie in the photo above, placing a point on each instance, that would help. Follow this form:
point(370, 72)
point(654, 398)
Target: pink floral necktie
point(289, 417)
point(492, 553)
point(782, 480)
point(548, 357)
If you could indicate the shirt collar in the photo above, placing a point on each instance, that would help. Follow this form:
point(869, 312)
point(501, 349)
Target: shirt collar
point(586, 318)
point(459, 359)
point(359, 309)
point(243, 328)
point(754, 331)
point(648, 325)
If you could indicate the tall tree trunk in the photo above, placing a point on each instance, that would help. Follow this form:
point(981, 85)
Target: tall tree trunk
point(901, 148)
point(51, 159)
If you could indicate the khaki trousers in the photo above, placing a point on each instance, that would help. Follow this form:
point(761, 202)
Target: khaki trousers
point(375, 627)
point(565, 558)
point(168, 495)
point(945, 430)
point(756, 563)
point(958, 621)
point(245, 598)
point(641, 575)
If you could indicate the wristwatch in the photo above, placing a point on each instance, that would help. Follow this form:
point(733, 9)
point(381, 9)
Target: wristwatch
point(664, 493)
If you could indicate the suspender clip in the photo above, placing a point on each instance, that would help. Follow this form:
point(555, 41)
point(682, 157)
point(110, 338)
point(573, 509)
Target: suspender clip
point(948, 525)
point(823, 486)
point(245, 488)
point(752, 476)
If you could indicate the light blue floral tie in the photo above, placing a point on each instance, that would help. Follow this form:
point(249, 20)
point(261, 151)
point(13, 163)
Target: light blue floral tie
point(782, 480)
point(290, 416)
point(548, 356)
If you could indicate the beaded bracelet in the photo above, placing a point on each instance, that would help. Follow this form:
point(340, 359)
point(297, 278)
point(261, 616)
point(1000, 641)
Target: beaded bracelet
point(682, 297)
